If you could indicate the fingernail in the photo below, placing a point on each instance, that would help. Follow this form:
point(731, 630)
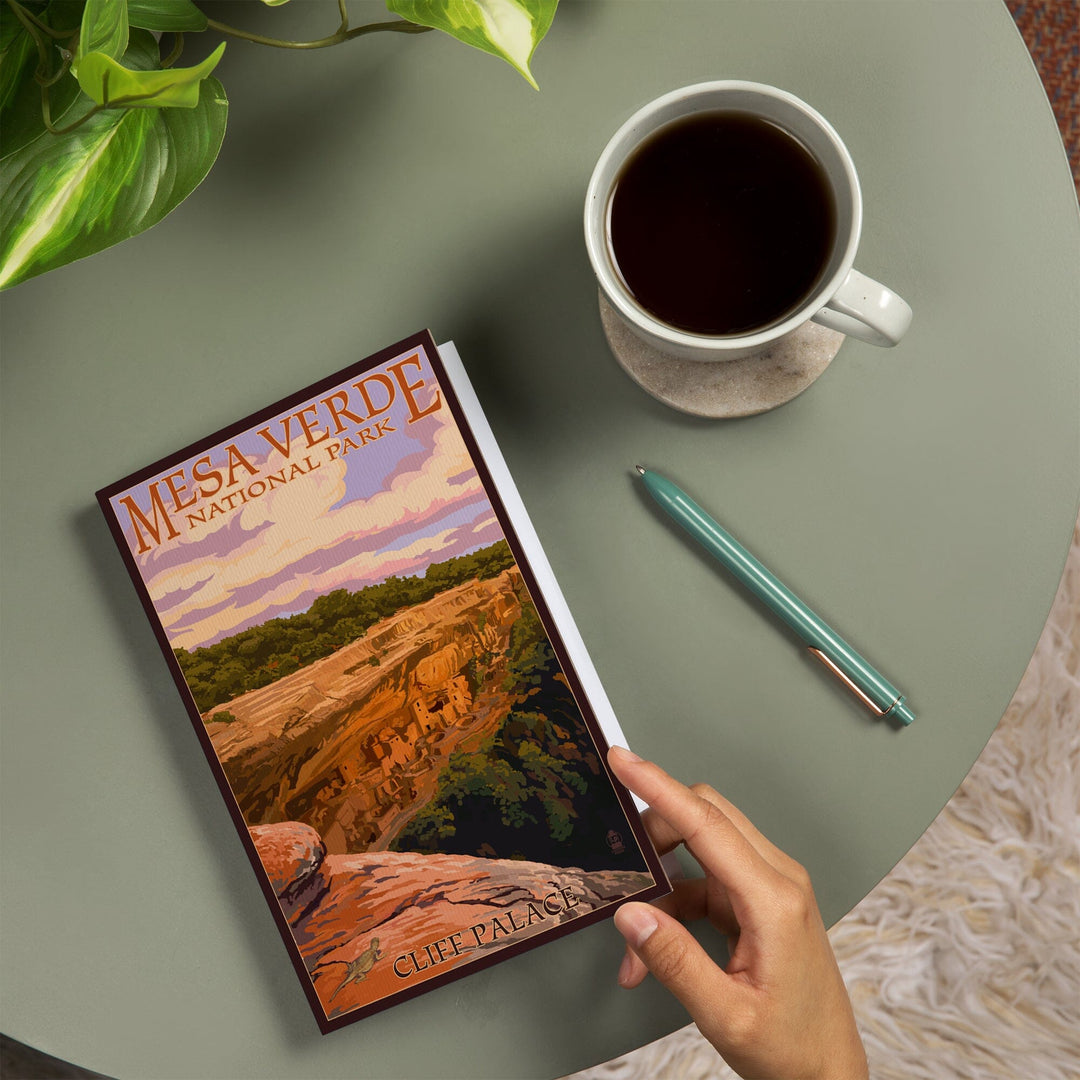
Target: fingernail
point(636, 923)
point(626, 755)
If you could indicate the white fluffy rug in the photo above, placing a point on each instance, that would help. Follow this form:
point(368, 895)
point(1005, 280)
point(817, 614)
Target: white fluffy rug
point(964, 963)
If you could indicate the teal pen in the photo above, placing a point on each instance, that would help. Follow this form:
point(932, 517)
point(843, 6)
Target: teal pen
point(869, 686)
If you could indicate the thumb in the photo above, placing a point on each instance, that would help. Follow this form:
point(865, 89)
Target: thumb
point(674, 957)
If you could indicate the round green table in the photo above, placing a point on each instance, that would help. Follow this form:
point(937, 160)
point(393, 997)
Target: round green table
point(921, 499)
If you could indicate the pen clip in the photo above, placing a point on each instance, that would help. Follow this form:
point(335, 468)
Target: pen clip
point(819, 655)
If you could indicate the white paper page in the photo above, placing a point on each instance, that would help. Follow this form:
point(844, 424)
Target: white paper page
point(515, 508)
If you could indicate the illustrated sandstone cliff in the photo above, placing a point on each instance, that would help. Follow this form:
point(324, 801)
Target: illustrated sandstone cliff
point(373, 924)
point(353, 743)
point(330, 763)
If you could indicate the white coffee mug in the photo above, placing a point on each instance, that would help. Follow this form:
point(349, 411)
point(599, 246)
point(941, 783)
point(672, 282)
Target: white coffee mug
point(843, 299)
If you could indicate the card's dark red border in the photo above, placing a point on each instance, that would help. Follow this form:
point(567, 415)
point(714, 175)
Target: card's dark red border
point(422, 341)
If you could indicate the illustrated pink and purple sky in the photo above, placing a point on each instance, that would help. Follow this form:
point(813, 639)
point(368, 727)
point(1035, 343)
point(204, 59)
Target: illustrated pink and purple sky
point(391, 507)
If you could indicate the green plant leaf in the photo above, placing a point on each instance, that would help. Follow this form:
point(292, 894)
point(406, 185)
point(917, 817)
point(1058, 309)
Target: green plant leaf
point(166, 16)
point(508, 28)
point(20, 118)
point(20, 95)
point(10, 26)
point(68, 196)
point(104, 30)
point(108, 82)
point(18, 56)
point(65, 15)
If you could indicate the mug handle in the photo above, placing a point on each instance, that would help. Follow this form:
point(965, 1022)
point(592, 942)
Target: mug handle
point(863, 308)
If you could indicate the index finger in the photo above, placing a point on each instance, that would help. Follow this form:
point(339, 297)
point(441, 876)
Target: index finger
point(713, 838)
point(665, 836)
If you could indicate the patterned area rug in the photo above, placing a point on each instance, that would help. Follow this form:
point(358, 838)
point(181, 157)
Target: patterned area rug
point(1051, 29)
point(964, 963)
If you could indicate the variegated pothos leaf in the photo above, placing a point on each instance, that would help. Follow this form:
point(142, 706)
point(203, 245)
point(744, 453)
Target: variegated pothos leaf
point(17, 54)
point(63, 197)
point(508, 28)
point(108, 82)
point(166, 16)
point(20, 95)
point(104, 30)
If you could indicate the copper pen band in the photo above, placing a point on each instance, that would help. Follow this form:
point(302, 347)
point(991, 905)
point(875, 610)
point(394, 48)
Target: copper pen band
point(868, 702)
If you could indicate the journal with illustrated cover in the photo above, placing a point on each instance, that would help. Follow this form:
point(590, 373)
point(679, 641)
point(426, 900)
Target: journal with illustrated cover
point(386, 680)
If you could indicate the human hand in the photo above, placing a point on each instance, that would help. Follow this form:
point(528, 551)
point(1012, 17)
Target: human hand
point(779, 1010)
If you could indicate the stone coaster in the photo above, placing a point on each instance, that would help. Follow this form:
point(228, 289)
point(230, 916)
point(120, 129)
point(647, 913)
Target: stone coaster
point(723, 388)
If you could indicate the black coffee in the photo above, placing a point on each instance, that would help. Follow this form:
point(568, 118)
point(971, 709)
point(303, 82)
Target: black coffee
point(721, 223)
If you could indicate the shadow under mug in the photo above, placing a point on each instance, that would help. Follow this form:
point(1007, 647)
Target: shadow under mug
point(843, 299)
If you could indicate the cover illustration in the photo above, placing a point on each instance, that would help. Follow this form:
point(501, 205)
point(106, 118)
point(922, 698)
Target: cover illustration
point(360, 621)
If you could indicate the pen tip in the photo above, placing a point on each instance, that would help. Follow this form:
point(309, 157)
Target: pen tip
point(640, 469)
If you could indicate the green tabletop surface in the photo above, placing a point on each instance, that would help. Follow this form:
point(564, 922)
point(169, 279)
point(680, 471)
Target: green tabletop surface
point(920, 499)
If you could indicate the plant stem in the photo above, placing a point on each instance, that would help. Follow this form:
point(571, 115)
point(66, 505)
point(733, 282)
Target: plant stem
point(61, 71)
point(174, 55)
point(20, 11)
point(72, 126)
point(114, 103)
point(34, 27)
point(31, 26)
point(399, 26)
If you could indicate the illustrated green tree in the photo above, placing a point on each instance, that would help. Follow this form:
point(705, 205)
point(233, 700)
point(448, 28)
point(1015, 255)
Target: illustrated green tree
point(535, 788)
point(262, 654)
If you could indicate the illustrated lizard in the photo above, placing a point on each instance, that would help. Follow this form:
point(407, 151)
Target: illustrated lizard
point(356, 970)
